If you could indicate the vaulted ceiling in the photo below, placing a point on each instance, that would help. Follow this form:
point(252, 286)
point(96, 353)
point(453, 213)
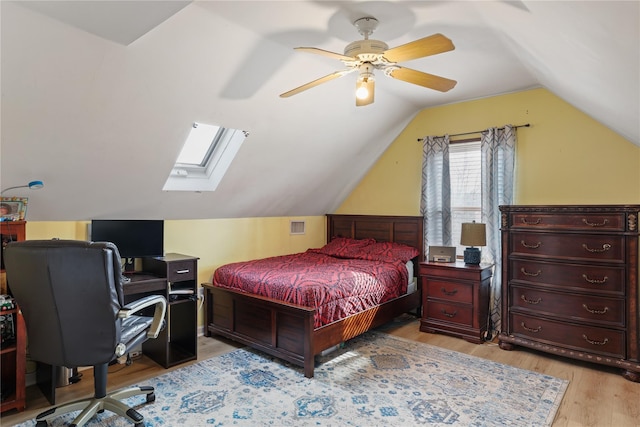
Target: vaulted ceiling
point(98, 97)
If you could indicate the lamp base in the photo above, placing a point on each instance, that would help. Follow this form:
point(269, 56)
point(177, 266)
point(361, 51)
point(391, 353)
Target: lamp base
point(472, 256)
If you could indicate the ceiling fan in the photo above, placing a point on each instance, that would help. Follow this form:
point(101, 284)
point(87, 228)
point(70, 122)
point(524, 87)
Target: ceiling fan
point(368, 55)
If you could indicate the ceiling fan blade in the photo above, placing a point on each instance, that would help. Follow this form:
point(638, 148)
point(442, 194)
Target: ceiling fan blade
point(430, 81)
point(427, 46)
point(369, 85)
point(315, 83)
point(325, 53)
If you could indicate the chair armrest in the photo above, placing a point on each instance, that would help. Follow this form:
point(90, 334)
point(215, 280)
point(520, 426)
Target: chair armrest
point(158, 316)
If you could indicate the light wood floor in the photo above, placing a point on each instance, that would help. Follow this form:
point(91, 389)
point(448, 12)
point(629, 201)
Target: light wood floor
point(597, 396)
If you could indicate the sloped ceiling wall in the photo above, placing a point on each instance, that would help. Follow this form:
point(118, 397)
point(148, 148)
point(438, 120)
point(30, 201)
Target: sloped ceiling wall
point(99, 108)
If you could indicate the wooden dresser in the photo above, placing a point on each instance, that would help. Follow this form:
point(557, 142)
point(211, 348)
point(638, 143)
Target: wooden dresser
point(570, 283)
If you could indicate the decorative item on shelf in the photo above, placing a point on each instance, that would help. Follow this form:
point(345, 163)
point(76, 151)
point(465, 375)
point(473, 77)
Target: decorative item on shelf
point(13, 208)
point(442, 253)
point(473, 234)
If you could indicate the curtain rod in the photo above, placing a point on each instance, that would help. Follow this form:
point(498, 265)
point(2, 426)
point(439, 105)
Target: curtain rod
point(478, 131)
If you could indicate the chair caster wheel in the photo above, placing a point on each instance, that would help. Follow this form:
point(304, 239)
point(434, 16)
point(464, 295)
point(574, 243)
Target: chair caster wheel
point(41, 424)
point(151, 397)
point(138, 425)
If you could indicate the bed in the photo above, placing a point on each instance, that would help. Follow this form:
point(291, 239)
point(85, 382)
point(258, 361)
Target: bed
point(293, 331)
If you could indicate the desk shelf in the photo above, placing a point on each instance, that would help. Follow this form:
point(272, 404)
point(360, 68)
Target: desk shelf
point(178, 341)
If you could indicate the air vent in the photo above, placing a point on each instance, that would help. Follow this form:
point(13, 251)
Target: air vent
point(296, 227)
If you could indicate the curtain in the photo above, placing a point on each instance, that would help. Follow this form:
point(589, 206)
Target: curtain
point(435, 202)
point(497, 146)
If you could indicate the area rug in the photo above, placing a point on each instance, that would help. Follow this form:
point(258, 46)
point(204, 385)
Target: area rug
point(373, 380)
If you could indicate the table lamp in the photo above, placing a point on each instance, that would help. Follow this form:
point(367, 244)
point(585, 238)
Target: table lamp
point(473, 234)
point(33, 185)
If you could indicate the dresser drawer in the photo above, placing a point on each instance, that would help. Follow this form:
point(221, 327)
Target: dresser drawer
point(450, 291)
point(181, 270)
point(605, 280)
point(572, 221)
point(595, 340)
point(460, 314)
point(594, 309)
point(568, 246)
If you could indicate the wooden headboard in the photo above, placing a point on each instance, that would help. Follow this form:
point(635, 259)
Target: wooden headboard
point(383, 228)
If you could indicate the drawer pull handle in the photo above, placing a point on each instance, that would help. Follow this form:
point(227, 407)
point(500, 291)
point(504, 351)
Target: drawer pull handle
point(524, 221)
point(526, 273)
point(595, 280)
point(182, 271)
point(603, 311)
point(449, 314)
point(536, 330)
point(603, 342)
point(605, 247)
point(449, 293)
point(595, 224)
point(530, 301)
point(526, 245)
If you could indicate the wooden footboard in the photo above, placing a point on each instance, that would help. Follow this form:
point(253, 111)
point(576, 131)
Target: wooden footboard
point(277, 328)
point(286, 330)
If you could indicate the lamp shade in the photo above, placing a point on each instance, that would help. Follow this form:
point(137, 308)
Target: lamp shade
point(473, 234)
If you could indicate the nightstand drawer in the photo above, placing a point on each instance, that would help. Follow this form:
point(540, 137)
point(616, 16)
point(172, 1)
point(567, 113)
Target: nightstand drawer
point(460, 314)
point(450, 291)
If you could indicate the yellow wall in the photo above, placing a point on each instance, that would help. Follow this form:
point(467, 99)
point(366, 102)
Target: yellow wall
point(565, 157)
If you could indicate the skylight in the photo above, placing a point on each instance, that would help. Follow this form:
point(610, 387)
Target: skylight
point(200, 143)
point(205, 157)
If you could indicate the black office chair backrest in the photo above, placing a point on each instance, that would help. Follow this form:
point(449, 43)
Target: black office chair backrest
point(70, 293)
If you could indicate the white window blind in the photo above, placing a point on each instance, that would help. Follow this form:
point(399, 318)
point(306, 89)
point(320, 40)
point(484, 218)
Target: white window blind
point(466, 191)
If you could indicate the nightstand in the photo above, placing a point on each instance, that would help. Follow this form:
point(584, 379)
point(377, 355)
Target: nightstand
point(455, 299)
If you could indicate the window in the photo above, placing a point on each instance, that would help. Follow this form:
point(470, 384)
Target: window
point(199, 146)
point(466, 191)
point(205, 157)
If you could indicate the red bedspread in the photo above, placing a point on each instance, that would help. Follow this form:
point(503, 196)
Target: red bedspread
point(336, 287)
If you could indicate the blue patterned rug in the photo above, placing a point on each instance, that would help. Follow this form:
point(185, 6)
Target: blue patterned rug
point(374, 380)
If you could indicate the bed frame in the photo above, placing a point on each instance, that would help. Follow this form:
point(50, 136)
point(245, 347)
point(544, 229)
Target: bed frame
point(286, 330)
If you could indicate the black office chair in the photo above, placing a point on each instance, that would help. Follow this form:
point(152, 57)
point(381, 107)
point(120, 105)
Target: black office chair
point(70, 293)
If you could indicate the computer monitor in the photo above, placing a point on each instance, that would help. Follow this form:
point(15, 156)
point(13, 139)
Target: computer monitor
point(134, 238)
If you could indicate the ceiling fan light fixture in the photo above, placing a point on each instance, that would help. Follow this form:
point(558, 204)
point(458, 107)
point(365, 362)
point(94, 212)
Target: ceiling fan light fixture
point(364, 89)
point(362, 92)
point(364, 85)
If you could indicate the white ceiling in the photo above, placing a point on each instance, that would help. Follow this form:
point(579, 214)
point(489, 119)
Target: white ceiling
point(98, 96)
